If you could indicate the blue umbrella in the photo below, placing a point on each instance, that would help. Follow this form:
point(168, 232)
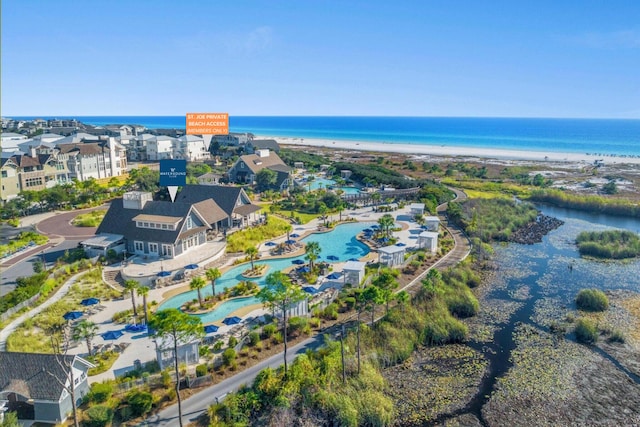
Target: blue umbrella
point(297, 262)
point(400, 244)
point(135, 328)
point(375, 226)
point(310, 290)
point(290, 242)
point(191, 266)
point(210, 328)
point(367, 230)
point(164, 274)
point(270, 244)
point(72, 315)
point(354, 259)
point(304, 269)
point(294, 235)
point(90, 301)
point(233, 320)
point(334, 276)
point(332, 258)
point(111, 335)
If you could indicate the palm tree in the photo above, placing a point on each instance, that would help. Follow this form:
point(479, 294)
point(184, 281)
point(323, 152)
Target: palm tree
point(312, 251)
point(85, 330)
point(386, 222)
point(213, 274)
point(376, 197)
point(198, 283)
point(131, 286)
point(143, 291)
point(251, 252)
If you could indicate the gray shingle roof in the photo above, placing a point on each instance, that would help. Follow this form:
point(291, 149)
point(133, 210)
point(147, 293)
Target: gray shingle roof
point(225, 196)
point(32, 374)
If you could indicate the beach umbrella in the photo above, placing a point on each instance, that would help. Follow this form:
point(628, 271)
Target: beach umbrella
point(334, 276)
point(233, 320)
point(294, 235)
point(191, 266)
point(401, 244)
point(297, 262)
point(270, 244)
point(90, 301)
point(367, 230)
point(354, 259)
point(304, 269)
point(164, 274)
point(135, 328)
point(210, 329)
point(290, 242)
point(375, 226)
point(72, 315)
point(332, 258)
point(111, 335)
point(310, 290)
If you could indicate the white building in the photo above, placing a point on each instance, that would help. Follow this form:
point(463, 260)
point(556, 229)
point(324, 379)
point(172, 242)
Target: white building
point(428, 240)
point(431, 223)
point(192, 148)
point(416, 208)
point(354, 272)
point(160, 147)
point(391, 256)
point(86, 160)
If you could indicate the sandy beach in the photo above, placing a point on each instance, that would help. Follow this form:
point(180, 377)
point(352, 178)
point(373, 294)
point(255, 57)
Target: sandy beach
point(450, 151)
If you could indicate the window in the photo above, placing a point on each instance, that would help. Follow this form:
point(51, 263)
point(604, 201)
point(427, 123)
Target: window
point(33, 182)
point(153, 247)
point(167, 250)
point(4, 174)
point(165, 226)
point(138, 246)
point(189, 223)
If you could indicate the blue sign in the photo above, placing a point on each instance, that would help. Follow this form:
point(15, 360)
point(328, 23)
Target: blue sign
point(173, 173)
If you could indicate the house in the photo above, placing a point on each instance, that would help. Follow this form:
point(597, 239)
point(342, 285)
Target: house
point(21, 172)
point(209, 179)
point(262, 144)
point(431, 223)
point(247, 167)
point(233, 139)
point(233, 201)
point(345, 174)
point(354, 272)
point(428, 240)
point(391, 256)
point(9, 141)
point(102, 159)
point(31, 384)
point(160, 147)
point(191, 148)
point(416, 209)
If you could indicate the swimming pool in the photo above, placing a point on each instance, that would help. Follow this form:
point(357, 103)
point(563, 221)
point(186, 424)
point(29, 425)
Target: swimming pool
point(340, 242)
point(325, 183)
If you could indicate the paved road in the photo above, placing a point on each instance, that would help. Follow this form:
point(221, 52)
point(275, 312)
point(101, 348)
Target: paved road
point(195, 405)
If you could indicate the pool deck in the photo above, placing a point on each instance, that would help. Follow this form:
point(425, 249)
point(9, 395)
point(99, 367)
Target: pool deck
point(141, 347)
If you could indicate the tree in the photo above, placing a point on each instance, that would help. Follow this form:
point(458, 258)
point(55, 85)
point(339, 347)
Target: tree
point(251, 252)
point(213, 274)
point(376, 197)
point(10, 420)
point(386, 282)
point(312, 251)
point(174, 327)
point(403, 298)
point(386, 221)
point(280, 294)
point(143, 291)
point(266, 179)
point(131, 286)
point(85, 330)
point(198, 283)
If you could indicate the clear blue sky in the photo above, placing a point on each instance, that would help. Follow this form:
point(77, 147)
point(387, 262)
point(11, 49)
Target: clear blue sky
point(538, 58)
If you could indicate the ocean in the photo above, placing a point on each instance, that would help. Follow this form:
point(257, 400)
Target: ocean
point(593, 136)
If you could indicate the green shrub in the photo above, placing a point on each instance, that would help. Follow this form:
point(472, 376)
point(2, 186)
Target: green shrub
point(269, 330)
point(140, 402)
point(201, 370)
point(218, 345)
point(586, 331)
point(98, 416)
point(254, 338)
point(617, 336)
point(277, 338)
point(100, 392)
point(228, 356)
point(233, 341)
point(592, 300)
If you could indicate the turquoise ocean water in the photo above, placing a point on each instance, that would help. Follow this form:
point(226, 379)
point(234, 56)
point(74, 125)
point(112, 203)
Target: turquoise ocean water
point(603, 136)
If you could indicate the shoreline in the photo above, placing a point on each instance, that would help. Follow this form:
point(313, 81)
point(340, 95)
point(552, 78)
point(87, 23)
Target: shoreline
point(452, 151)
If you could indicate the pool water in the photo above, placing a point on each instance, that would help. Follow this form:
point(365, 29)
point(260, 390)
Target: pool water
point(340, 242)
point(324, 183)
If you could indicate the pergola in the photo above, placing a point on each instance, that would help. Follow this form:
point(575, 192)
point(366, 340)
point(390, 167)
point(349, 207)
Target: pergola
point(428, 240)
point(391, 256)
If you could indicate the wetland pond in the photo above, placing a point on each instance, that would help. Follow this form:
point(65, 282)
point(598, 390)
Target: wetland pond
point(522, 365)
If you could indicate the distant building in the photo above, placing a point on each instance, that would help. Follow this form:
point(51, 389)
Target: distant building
point(431, 223)
point(247, 167)
point(263, 144)
point(21, 172)
point(233, 139)
point(428, 240)
point(160, 148)
point(416, 208)
point(86, 160)
point(209, 179)
point(191, 148)
point(391, 256)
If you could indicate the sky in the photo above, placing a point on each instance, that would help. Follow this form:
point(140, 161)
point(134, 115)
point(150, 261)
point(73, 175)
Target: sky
point(514, 58)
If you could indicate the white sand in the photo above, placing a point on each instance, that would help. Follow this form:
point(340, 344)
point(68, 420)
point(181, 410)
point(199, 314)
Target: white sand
point(441, 150)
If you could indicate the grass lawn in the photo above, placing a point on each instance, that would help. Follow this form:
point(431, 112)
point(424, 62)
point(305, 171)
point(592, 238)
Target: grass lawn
point(89, 219)
point(252, 237)
point(302, 216)
point(479, 194)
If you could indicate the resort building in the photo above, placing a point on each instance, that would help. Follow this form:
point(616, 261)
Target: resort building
point(428, 240)
point(431, 223)
point(103, 159)
point(232, 139)
point(391, 256)
point(416, 208)
point(36, 386)
point(188, 353)
point(246, 169)
point(262, 144)
point(160, 148)
point(21, 172)
point(354, 272)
